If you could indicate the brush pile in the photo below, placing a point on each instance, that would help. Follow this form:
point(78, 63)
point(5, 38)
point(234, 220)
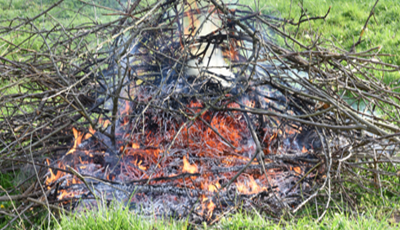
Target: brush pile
point(191, 109)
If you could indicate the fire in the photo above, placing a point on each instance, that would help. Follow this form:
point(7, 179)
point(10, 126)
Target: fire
point(125, 113)
point(104, 123)
point(90, 134)
point(207, 205)
point(251, 187)
point(188, 168)
point(135, 145)
point(210, 209)
point(142, 154)
point(297, 170)
point(65, 194)
point(154, 146)
point(68, 194)
point(214, 187)
point(52, 177)
point(139, 165)
point(78, 139)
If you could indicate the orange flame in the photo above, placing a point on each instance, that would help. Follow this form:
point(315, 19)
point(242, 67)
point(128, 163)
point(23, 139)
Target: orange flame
point(52, 177)
point(252, 187)
point(297, 170)
point(90, 133)
point(139, 165)
point(126, 109)
point(304, 150)
point(188, 168)
point(214, 187)
point(210, 209)
point(78, 139)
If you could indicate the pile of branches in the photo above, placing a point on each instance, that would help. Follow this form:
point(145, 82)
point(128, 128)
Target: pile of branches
point(82, 72)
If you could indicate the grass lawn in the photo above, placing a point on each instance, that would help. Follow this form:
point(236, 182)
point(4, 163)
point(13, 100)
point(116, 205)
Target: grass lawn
point(343, 25)
point(118, 218)
point(345, 22)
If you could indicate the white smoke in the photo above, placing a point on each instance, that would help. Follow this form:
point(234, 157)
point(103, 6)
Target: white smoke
point(211, 63)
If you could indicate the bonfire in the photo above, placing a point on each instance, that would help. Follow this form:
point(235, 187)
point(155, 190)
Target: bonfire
point(192, 109)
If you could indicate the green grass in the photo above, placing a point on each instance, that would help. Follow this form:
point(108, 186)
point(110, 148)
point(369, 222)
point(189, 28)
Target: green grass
point(116, 217)
point(6, 183)
point(331, 221)
point(346, 20)
point(71, 12)
point(15, 45)
point(68, 14)
point(344, 24)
